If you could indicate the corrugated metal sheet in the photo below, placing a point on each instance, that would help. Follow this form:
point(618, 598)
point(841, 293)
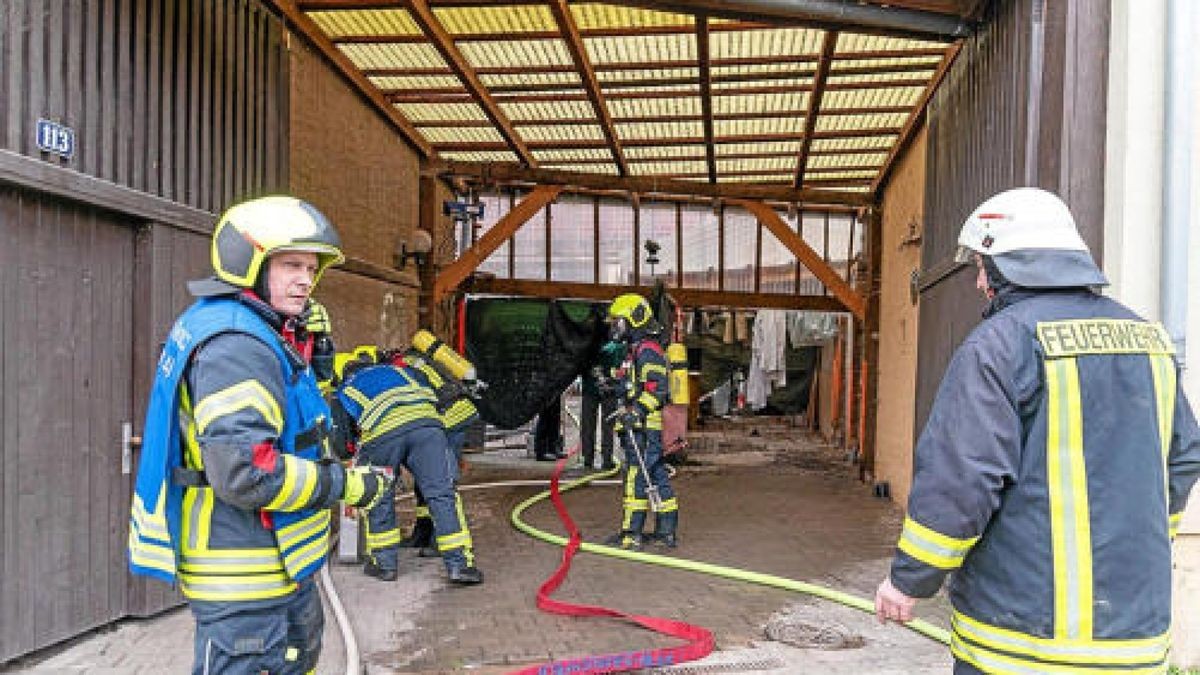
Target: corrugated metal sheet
point(161, 97)
point(466, 21)
point(755, 127)
point(765, 42)
point(366, 22)
point(419, 112)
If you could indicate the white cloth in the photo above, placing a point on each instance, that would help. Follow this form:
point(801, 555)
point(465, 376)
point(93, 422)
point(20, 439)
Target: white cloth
point(768, 361)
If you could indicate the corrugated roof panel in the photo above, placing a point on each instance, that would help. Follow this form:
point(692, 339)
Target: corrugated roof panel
point(755, 103)
point(365, 22)
point(660, 130)
point(835, 161)
point(844, 175)
point(854, 42)
point(848, 122)
point(638, 48)
point(562, 132)
point(720, 88)
point(599, 15)
point(462, 134)
point(571, 155)
point(882, 143)
point(765, 42)
point(914, 62)
point(607, 169)
point(646, 75)
point(419, 112)
point(507, 19)
point(532, 80)
point(646, 107)
point(516, 52)
point(776, 178)
point(872, 98)
point(804, 69)
point(763, 165)
point(668, 168)
point(481, 156)
point(418, 82)
point(548, 110)
point(792, 147)
point(666, 152)
point(756, 127)
point(393, 55)
point(880, 77)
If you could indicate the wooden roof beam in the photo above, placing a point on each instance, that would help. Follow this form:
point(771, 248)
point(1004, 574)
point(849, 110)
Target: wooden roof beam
point(499, 172)
point(828, 47)
point(455, 95)
point(584, 144)
point(688, 297)
point(667, 119)
point(317, 38)
point(433, 28)
point(706, 109)
point(804, 253)
point(570, 33)
point(915, 120)
point(632, 31)
point(454, 273)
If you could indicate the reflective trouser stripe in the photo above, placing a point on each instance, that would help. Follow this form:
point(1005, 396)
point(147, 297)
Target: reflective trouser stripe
point(669, 505)
point(1003, 650)
point(378, 540)
point(1163, 369)
point(461, 538)
point(422, 511)
point(632, 504)
point(1070, 528)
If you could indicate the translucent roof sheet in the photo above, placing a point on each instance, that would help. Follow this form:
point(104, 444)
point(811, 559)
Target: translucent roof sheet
point(607, 169)
point(765, 42)
point(366, 22)
point(761, 87)
point(464, 21)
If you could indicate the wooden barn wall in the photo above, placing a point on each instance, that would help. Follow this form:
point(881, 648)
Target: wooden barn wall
point(1014, 110)
point(350, 163)
point(66, 303)
point(182, 99)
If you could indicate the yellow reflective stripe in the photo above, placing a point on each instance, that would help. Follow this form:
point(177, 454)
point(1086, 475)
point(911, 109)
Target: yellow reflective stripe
point(383, 403)
point(652, 368)
point(647, 399)
point(248, 561)
point(1173, 523)
point(932, 547)
point(448, 542)
point(247, 394)
point(146, 554)
point(250, 587)
point(302, 529)
point(299, 481)
point(1140, 651)
point(397, 418)
point(150, 524)
point(1163, 369)
point(382, 539)
point(1001, 664)
point(303, 557)
point(459, 412)
point(669, 505)
point(196, 520)
point(1070, 527)
point(422, 511)
point(356, 396)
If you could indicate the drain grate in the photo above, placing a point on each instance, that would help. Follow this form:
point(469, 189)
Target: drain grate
point(736, 667)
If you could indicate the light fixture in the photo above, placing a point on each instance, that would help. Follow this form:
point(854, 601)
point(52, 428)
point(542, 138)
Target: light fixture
point(416, 247)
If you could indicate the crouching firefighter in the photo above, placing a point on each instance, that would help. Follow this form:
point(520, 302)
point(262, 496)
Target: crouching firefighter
point(454, 384)
point(389, 412)
point(639, 425)
point(232, 494)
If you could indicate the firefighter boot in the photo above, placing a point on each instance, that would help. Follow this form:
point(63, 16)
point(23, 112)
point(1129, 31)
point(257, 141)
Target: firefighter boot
point(664, 529)
point(422, 533)
point(630, 538)
point(465, 576)
point(372, 569)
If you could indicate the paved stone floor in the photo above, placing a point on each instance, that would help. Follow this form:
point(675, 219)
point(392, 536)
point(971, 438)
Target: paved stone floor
point(755, 494)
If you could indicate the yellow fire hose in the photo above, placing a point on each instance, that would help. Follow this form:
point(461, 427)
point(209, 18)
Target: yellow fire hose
point(923, 627)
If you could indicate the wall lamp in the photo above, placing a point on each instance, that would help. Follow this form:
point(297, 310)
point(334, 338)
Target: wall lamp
point(416, 247)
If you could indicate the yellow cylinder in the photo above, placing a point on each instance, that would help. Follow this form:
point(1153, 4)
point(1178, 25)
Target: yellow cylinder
point(677, 373)
point(428, 344)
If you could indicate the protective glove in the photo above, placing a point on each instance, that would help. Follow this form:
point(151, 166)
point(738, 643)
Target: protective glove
point(630, 418)
point(365, 486)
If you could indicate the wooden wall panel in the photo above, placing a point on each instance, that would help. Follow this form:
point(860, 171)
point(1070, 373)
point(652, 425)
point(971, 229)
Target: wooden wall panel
point(177, 99)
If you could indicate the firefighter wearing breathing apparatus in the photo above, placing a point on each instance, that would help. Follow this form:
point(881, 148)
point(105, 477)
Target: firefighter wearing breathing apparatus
point(233, 485)
point(388, 410)
point(1055, 466)
point(639, 425)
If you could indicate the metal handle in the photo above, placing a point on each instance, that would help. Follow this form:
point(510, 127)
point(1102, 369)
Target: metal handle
point(128, 442)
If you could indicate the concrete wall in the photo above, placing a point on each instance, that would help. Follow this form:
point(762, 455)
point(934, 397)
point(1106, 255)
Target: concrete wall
point(903, 221)
point(350, 163)
point(1134, 214)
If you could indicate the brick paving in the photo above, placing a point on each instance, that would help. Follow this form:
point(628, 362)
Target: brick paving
point(757, 495)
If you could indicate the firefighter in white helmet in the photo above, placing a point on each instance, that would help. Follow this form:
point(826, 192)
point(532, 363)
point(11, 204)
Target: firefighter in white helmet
point(1055, 465)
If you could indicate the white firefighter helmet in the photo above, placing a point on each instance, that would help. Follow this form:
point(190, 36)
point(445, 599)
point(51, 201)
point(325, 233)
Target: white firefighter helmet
point(1030, 235)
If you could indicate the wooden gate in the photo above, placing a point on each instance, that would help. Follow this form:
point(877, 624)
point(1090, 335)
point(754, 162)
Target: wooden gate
point(66, 296)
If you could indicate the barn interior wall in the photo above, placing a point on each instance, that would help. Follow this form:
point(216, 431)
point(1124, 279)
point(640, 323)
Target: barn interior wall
point(348, 161)
point(903, 222)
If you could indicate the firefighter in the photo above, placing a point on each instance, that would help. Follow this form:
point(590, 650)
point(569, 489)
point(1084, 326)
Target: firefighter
point(233, 494)
point(458, 413)
point(1055, 465)
point(642, 397)
point(390, 413)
